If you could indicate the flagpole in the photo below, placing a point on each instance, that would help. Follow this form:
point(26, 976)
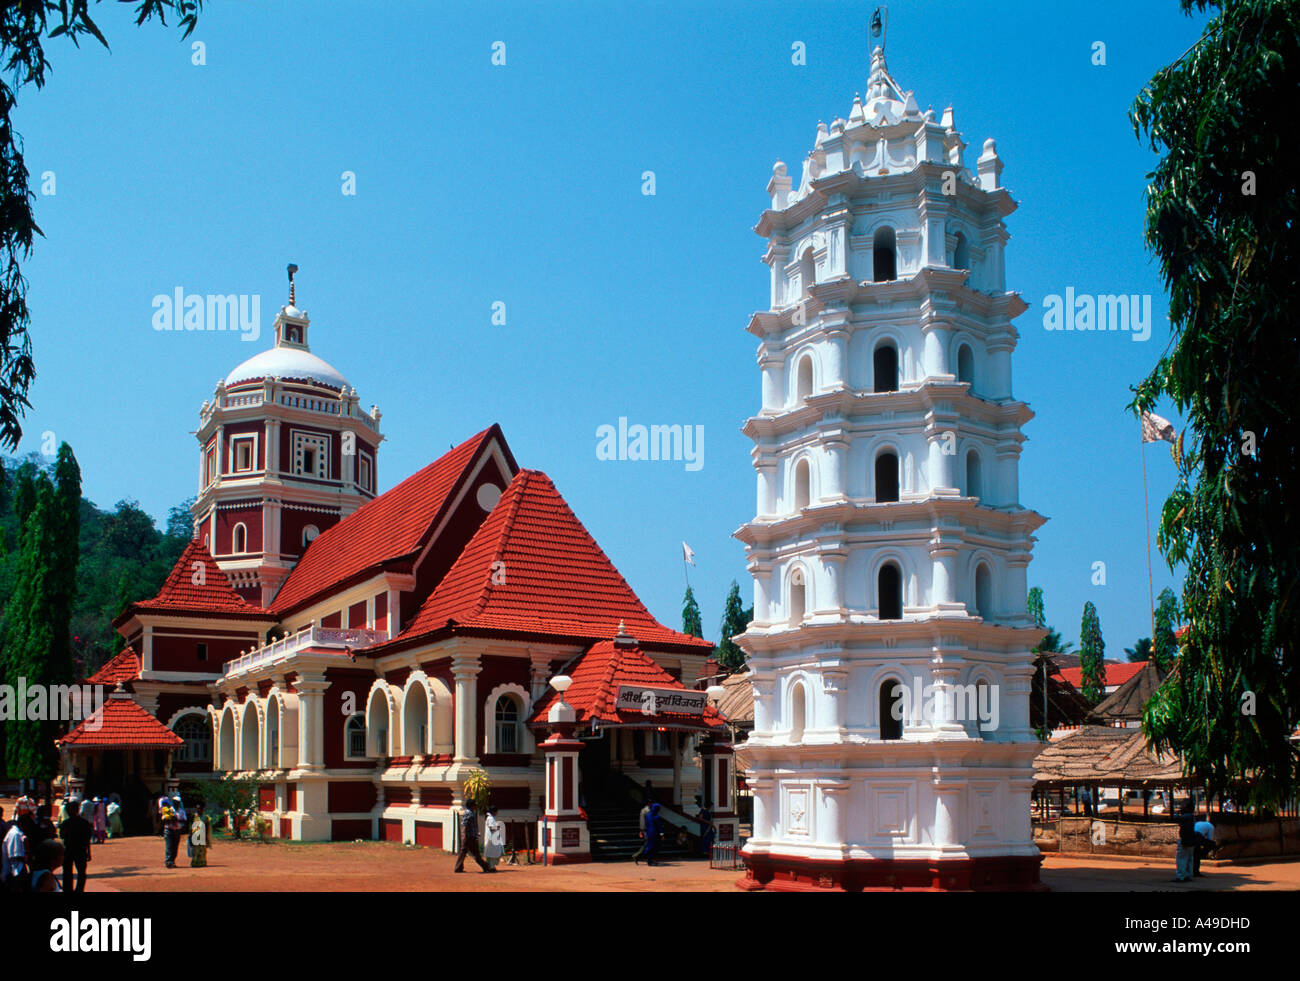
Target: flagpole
point(1146, 516)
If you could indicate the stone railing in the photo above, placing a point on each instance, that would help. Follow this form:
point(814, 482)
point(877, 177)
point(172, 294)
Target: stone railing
point(341, 637)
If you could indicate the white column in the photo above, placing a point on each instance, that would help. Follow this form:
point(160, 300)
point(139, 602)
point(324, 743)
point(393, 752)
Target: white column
point(311, 720)
point(831, 828)
point(465, 669)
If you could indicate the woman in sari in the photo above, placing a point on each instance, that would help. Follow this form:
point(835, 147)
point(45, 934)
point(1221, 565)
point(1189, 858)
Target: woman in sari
point(100, 823)
point(114, 811)
point(200, 838)
point(494, 839)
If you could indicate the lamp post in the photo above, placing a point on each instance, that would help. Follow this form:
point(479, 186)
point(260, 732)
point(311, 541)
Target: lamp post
point(559, 713)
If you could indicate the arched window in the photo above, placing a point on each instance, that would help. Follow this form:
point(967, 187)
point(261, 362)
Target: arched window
point(983, 591)
point(798, 712)
point(885, 368)
point(798, 596)
point(377, 723)
point(804, 378)
point(197, 733)
point(507, 724)
point(961, 253)
point(807, 272)
point(889, 589)
point(273, 735)
point(891, 710)
point(240, 539)
point(227, 733)
point(309, 534)
point(886, 477)
point(248, 738)
point(882, 254)
point(974, 478)
point(415, 721)
point(802, 484)
point(354, 737)
point(982, 699)
point(966, 365)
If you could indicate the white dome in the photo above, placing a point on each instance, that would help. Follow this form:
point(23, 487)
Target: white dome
point(288, 362)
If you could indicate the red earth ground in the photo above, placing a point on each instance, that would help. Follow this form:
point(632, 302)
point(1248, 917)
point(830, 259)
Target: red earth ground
point(135, 865)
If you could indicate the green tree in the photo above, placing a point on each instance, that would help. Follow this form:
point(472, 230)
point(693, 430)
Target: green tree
point(1092, 654)
point(1034, 605)
point(1051, 642)
point(1223, 221)
point(691, 622)
point(30, 633)
point(24, 28)
point(735, 618)
point(1141, 651)
point(1165, 644)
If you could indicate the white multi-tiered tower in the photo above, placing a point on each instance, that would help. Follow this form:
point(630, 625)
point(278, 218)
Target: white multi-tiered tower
point(889, 548)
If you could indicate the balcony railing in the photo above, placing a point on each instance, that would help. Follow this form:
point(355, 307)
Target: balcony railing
point(343, 637)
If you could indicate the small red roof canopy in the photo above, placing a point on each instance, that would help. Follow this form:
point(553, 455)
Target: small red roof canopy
point(597, 676)
point(394, 526)
point(123, 667)
point(197, 587)
point(121, 723)
point(533, 568)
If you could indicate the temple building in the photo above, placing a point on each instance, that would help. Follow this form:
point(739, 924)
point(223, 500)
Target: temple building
point(889, 650)
point(360, 654)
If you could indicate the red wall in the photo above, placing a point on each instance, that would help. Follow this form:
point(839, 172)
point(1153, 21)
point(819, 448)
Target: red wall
point(350, 829)
point(350, 796)
point(390, 830)
point(429, 835)
point(181, 653)
point(250, 517)
point(340, 681)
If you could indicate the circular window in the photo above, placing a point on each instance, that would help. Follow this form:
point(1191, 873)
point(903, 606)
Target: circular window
point(488, 495)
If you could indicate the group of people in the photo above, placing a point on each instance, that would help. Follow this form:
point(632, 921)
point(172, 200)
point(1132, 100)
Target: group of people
point(34, 848)
point(652, 827)
point(1195, 842)
point(494, 840)
point(174, 821)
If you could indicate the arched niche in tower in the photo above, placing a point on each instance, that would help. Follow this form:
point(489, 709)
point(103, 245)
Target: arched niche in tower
point(884, 255)
point(966, 366)
point(886, 476)
point(239, 539)
point(891, 709)
point(803, 380)
point(802, 484)
point(889, 592)
point(798, 595)
point(974, 475)
point(961, 253)
point(983, 591)
point(884, 366)
point(798, 711)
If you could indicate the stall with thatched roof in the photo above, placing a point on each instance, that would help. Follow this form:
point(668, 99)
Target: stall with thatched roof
point(1125, 703)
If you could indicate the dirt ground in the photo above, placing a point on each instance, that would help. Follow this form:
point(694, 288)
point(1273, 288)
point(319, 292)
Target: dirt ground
point(135, 865)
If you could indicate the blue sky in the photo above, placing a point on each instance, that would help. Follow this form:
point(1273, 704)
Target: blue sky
point(521, 184)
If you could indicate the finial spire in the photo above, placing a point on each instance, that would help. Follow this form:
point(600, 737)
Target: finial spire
point(293, 268)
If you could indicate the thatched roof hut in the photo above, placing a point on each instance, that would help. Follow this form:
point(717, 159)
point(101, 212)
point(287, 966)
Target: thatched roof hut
point(1105, 756)
point(1125, 703)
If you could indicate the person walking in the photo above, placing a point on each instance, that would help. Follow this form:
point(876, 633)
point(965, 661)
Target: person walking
point(494, 838)
point(172, 826)
point(200, 838)
point(707, 828)
point(469, 841)
point(641, 820)
point(14, 865)
point(100, 824)
point(653, 830)
point(76, 832)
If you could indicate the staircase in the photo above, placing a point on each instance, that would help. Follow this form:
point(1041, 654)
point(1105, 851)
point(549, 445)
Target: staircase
point(613, 830)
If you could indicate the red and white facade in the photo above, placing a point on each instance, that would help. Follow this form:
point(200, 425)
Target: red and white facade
point(361, 654)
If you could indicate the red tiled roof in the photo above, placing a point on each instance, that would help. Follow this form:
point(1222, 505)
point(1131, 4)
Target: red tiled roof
point(121, 722)
point(597, 675)
point(123, 667)
point(197, 586)
point(392, 526)
point(1117, 672)
point(533, 568)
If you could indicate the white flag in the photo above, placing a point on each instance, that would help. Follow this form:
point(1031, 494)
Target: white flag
point(1156, 428)
point(688, 554)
